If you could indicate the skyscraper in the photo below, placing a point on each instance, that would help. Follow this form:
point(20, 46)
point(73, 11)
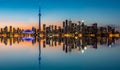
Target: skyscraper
point(39, 18)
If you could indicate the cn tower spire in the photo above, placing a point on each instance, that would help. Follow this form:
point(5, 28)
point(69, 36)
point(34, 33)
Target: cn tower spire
point(39, 17)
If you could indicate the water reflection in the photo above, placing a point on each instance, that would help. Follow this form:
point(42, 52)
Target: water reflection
point(68, 43)
point(39, 58)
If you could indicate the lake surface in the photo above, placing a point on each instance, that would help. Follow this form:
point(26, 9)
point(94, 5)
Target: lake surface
point(60, 54)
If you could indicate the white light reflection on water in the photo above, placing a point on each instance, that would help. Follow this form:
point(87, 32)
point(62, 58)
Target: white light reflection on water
point(25, 56)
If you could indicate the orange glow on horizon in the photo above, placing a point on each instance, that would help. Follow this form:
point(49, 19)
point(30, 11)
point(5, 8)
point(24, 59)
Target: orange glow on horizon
point(25, 26)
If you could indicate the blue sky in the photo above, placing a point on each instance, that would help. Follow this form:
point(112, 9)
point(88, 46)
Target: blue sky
point(25, 12)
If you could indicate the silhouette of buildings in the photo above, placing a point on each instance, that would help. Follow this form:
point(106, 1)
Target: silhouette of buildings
point(69, 29)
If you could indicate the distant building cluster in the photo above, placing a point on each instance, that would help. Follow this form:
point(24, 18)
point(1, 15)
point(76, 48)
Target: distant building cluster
point(13, 32)
point(8, 31)
point(79, 29)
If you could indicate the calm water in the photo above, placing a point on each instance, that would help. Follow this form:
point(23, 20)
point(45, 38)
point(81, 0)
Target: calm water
point(60, 54)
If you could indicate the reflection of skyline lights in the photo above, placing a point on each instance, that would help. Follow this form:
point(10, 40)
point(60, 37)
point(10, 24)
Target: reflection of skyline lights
point(85, 48)
point(68, 44)
point(82, 51)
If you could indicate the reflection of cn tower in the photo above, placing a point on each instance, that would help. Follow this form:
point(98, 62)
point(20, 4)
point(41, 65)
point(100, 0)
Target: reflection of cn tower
point(39, 51)
point(39, 56)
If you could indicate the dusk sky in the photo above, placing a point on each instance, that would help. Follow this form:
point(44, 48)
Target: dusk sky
point(24, 13)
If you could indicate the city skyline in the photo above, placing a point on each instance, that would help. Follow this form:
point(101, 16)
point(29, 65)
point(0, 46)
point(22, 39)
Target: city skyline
point(59, 34)
point(68, 29)
point(25, 13)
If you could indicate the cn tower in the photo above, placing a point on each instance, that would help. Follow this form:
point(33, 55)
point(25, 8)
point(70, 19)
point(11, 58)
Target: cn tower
point(39, 18)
